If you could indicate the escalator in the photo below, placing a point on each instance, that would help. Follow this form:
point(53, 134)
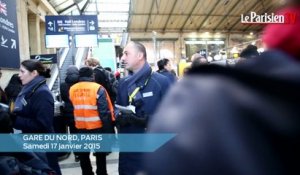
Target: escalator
point(72, 56)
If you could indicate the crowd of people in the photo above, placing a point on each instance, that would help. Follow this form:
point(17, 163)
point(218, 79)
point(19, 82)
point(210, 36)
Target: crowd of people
point(227, 120)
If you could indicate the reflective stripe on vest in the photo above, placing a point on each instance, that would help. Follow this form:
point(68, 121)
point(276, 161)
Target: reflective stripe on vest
point(87, 119)
point(85, 107)
point(84, 99)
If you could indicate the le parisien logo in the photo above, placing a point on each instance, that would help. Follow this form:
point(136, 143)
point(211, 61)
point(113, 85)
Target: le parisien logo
point(254, 18)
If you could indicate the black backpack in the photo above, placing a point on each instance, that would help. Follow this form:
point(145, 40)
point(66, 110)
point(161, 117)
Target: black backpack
point(107, 80)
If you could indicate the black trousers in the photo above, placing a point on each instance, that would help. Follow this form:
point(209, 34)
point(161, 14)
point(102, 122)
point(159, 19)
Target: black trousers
point(84, 157)
point(86, 165)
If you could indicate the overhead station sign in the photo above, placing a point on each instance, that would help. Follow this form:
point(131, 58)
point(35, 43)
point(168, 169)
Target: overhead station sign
point(84, 25)
point(9, 39)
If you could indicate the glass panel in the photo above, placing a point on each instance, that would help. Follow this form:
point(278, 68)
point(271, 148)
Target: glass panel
point(114, 1)
point(70, 11)
point(214, 50)
point(194, 48)
point(113, 16)
point(91, 7)
point(113, 7)
point(81, 4)
point(64, 5)
point(112, 24)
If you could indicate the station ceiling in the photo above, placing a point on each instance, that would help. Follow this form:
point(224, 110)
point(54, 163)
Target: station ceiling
point(168, 15)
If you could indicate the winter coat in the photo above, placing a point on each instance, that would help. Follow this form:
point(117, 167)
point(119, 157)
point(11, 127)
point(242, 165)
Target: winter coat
point(148, 97)
point(34, 109)
point(71, 78)
point(146, 101)
point(36, 114)
point(242, 120)
point(172, 78)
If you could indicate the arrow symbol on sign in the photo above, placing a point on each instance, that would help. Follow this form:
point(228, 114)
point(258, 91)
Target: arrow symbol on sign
point(3, 41)
point(92, 22)
point(13, 45)
point(50, 23)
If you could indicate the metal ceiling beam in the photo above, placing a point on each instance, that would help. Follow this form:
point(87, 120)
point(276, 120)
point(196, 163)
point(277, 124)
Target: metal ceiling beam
point(84, 6)
point(58, 4)
point(189, 16)
point(172, 10)
point(70, 6)
point(209, 14)
point(229, 11)
point(152, 5)
point(239, 20)
point(159, 30)
point(49, 6)
point(178, 14)
point(77, 6)
point(129, 15)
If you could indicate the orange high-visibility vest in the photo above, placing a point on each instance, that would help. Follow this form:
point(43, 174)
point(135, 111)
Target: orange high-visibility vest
point(83, 96)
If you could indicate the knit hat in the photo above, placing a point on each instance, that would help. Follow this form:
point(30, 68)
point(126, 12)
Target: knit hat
point(86, 72)
point(285, 37)
point(72, 70)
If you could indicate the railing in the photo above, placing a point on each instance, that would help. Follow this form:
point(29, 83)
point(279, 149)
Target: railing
point(54, 69)
point(79, 60)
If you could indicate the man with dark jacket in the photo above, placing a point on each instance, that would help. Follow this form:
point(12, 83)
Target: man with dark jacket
point(93, 113)
point(67, 111)
point(143, 90)
point(103, 77)
point(242, 120)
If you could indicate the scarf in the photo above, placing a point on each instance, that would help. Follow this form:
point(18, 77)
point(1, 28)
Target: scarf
point(138, 79)
point(26, 90)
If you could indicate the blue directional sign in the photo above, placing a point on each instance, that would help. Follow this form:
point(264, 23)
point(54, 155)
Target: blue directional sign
point(83, 24)
point(9, 40)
